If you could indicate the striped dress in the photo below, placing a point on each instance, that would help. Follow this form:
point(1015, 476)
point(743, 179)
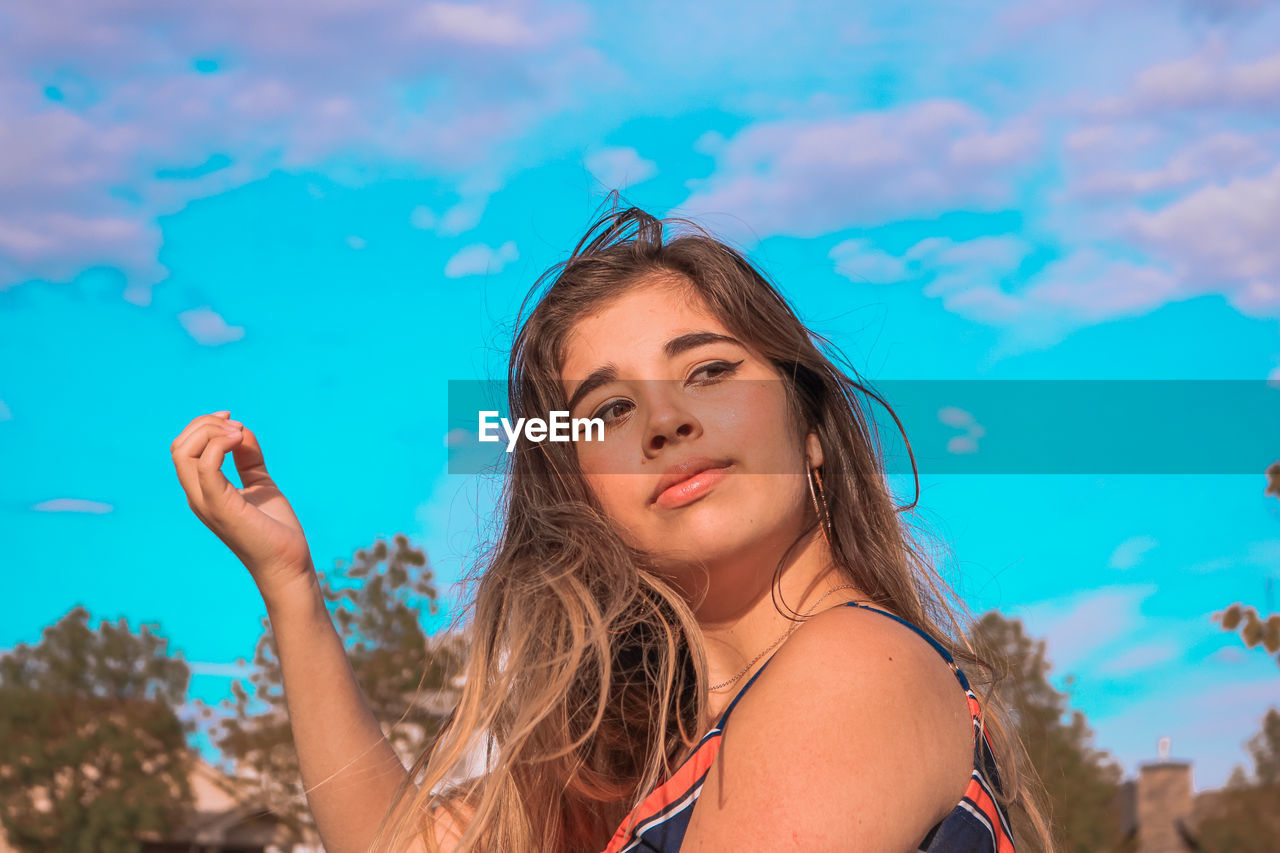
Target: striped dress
point(978, 823)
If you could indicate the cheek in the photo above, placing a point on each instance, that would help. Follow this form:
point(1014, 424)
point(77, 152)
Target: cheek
point(618, 496)
point(760, 425)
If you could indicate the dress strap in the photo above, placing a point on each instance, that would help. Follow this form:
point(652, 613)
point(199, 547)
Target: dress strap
point(983, 754)
point(941, 649)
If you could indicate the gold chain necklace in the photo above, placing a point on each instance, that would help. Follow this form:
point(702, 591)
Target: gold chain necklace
point(775, 643)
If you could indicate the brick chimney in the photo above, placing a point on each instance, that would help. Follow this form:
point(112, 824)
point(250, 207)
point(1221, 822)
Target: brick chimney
point(1164, 801)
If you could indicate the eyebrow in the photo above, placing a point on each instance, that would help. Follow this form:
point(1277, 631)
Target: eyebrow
point(672, 348)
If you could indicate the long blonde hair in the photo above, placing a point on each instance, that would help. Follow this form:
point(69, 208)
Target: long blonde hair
point(586, 681)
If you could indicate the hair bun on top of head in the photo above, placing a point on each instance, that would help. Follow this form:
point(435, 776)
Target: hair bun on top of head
point(619, 226)
point(629, 225)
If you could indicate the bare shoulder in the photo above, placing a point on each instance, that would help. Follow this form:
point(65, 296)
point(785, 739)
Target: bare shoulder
point(856, 735)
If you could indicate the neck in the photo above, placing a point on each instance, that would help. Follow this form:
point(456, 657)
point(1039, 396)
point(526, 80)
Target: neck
point(739, 619)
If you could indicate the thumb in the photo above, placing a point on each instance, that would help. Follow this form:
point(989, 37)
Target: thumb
point(217, 491)
point(250, 464)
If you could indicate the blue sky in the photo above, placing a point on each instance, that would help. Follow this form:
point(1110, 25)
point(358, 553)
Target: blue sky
point(316, 215)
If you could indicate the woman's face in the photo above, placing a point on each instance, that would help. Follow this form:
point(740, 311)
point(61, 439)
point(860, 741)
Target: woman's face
point(701, 460)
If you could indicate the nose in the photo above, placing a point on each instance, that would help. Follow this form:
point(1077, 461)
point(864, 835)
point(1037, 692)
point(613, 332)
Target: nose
point(668, 421)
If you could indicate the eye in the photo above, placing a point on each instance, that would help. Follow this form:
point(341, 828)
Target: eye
point(612, 408)
point(715, 371)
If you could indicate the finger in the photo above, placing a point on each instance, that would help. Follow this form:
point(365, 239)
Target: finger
point(250, 465)
point(186, 456)
point(218, 493)
point(223, 417)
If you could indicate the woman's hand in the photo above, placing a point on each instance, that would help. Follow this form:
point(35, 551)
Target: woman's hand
point(255, 522)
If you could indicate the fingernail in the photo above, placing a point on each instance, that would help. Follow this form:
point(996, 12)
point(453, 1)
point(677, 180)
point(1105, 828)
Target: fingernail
point(224, 413)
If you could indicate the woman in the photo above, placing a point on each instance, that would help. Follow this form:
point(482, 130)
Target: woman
point(727, 548)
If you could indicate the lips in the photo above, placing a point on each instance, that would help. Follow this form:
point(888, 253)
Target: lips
point(690, 479)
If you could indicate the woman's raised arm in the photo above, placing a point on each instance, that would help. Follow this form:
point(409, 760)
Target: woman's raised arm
point(348, 768)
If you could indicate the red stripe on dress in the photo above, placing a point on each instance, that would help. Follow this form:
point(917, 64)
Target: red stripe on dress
point(685, 777)
point(982, 800)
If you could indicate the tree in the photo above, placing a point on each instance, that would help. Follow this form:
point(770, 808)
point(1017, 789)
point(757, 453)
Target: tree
point(92, 752)
point(376, 611)
point(1255, 628)
point(1081, 782)
point(1265, 749)
point(1246, 814)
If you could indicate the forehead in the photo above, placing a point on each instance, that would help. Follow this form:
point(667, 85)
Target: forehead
point(629, 331)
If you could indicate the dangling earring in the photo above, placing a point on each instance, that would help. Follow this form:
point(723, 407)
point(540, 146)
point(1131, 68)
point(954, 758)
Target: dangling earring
point(819, 500)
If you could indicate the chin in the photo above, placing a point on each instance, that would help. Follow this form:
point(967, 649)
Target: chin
point(705, 532)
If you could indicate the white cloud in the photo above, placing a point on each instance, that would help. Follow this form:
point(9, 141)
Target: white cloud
point(463, 216)
point(954, 416)
point(1138, 658)
point(711, 142)
point(1150, 211)
point(1129, 553)
point(1158, 169)
point(814, 176)
point(81, 176)
point(1216, 157)
point(617, 168)
point(458, 437)
point(1089, 287)
point(1081, 288)
point(1221, 239)
point(1206, 80)
point(473, 24)
point(1229, 655)
point(1221, 10)
point(962, 419)
point(1002, 252)
point(961, 268)
point(1005, 147)
point(73, 505)
point(1078, 628)
point(479, 259)
point(1104, 140)
point(208, 328)
point(858, 261)
point(973, 279)
point(422, 217)
point(1263, 554)
point(466, 213)
point(1155, 210)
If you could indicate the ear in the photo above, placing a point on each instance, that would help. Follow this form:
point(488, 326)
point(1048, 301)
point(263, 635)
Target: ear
point(814, 448)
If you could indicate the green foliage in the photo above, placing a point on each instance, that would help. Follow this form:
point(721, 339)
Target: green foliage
point(1265, 749)
point(1253, 627)
point(376, 610)
point(1081, 782)
point(1254, 630)
point(92, 753)
point(1246, 814)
